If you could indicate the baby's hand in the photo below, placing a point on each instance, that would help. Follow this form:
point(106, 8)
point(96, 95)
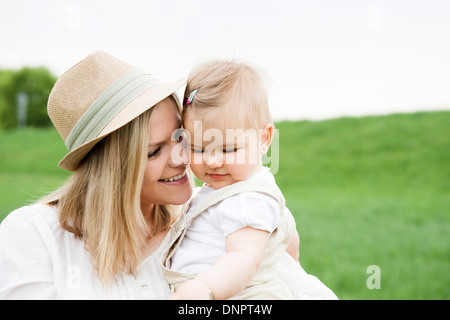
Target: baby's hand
point(192, 290)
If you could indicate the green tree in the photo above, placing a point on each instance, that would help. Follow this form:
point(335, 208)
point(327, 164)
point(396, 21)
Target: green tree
point(37, 84)
point(5, 103)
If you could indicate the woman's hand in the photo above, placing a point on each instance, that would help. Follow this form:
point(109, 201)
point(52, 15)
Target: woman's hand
point(194, 289)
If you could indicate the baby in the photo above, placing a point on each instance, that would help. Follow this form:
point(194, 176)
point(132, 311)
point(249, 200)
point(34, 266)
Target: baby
point(237, 225)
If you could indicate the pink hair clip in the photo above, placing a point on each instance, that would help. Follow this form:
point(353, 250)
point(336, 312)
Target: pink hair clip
point(191, 97)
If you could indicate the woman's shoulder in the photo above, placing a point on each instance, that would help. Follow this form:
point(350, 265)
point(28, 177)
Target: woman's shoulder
point(30, 218)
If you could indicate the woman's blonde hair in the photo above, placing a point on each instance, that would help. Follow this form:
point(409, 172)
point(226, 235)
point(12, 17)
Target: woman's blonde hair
point(231, 90)
point(100, 202)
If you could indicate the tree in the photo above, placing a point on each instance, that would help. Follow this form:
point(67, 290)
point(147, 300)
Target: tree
point(5, 104)
point(37, 84)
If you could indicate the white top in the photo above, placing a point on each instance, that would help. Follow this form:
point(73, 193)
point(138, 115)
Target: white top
point(204, 241)
point(40, 260)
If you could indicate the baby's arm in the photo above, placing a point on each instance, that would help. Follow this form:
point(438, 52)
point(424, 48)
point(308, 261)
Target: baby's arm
point(231, 272)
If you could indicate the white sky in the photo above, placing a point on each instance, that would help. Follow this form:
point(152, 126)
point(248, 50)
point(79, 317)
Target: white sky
point(326, 58)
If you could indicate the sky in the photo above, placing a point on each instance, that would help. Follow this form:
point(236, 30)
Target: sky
point(322, 58)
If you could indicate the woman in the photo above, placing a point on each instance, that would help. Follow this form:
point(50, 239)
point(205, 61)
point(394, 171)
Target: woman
point(101, 234)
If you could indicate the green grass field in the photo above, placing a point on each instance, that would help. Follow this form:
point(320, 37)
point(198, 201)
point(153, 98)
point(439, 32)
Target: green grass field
point(364, 191)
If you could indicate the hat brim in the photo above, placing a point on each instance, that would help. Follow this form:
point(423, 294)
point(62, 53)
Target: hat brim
point(131, 111)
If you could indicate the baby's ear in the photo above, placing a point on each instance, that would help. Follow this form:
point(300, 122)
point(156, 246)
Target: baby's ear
point(266, 137)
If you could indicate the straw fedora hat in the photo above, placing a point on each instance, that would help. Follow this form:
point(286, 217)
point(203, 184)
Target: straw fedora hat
point(97, 96)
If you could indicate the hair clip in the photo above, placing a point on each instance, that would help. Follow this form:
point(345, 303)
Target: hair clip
point(191, 97)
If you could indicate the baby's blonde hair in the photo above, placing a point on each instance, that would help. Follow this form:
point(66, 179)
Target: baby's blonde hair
point(228, 90)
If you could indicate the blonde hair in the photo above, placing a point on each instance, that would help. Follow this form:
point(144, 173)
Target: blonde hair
point(228, 90)
point(100, 202)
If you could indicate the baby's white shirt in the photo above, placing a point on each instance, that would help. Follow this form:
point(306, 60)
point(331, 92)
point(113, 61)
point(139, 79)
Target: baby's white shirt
point(205, 237)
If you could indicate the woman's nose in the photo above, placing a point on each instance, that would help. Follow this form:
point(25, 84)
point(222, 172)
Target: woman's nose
point(179, 154)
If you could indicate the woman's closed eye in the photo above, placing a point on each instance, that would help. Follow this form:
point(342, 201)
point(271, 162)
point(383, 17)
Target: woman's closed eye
point(154, 153)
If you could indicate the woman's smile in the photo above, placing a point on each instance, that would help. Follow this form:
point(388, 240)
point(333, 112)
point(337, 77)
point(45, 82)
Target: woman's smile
point(179, 179)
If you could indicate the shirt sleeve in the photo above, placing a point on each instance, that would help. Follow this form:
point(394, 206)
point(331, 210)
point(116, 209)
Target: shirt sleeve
point(248, 209)
point(25, 264)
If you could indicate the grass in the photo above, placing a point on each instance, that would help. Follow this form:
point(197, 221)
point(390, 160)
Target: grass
point(28, 166)
point(372, 191)
point(364, 191)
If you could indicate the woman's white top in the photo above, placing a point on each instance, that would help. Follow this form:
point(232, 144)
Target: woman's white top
point(205, 237)
point(40, 260)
